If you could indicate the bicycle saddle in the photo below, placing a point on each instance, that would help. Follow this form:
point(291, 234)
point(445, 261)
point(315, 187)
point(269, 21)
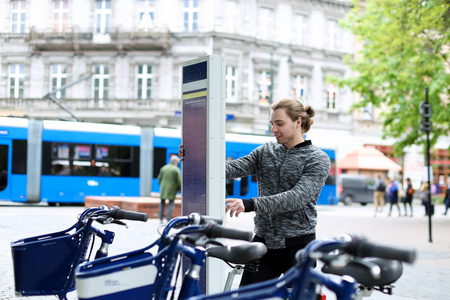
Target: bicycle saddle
point(241, 254)
point(361, 271)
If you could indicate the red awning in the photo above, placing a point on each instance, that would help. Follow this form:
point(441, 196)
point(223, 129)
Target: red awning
point(367, 158)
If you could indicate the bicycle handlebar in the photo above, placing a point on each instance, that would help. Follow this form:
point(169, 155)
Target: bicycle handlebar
point(207, 219)
point(364, 248)
point(216, 231)
point(121, 214)
point(198, 219)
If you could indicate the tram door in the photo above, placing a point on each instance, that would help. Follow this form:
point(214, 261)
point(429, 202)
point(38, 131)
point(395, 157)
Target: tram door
point(5, 170)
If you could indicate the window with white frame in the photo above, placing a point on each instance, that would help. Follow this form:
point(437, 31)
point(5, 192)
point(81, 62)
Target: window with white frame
point(16, 78)
point(300, 30)
point(300, 87)
point(190, 15)
point(265, 24)
point(334, 35)
point(100, 81)
point(146, 14)
point(18, 16)
point(60, 15)
point(332, 95)
point(144, 81)
point(264, 84)
point(231, 80)
point(102, 16)
point(368, 112)
point(58, 76)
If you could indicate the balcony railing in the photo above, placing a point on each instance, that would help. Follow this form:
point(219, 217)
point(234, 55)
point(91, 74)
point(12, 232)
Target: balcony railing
point(130, 109)
point(90, 104)
point(116, 40)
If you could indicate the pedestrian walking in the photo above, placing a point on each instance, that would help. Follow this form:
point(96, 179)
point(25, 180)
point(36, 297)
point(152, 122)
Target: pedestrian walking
point(378, 194)
point(447, 196)
point(425, 198)
point(169, 179)
point(393, 197)
point(409, 192)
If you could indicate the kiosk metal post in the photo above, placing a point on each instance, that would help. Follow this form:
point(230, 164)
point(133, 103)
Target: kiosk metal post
point(203, 139)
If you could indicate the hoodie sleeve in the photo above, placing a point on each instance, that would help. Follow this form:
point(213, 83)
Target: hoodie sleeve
point(305, 192)
point(243, 166)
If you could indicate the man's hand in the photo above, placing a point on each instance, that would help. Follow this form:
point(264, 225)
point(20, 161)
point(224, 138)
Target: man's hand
point(234, 206)
point(181, 152)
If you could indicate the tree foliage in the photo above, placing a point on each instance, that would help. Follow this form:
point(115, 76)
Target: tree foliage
point(405, 49)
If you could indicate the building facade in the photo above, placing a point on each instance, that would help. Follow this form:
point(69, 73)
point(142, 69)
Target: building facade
point(133, 51)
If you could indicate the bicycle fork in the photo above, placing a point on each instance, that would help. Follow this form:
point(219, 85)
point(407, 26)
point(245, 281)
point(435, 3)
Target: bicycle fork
point(107, 239)
point(190, 286)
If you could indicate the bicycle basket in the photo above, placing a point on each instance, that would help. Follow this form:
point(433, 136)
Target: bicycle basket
point(132, 275)
point(44, 265)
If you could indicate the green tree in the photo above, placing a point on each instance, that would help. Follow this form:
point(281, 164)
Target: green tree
point(405, 49)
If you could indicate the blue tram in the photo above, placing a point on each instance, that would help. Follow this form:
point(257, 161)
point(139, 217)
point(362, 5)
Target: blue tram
point(62, 162)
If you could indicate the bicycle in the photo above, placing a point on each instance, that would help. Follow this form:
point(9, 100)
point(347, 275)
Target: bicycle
point(361, 267)
point(46, 264)
point(141, 275)
point(154, 277)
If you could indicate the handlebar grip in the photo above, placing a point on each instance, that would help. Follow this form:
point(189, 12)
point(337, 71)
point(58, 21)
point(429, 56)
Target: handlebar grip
point(368, 249)
point(207, 219)
point(121, 214)
point(229, 233)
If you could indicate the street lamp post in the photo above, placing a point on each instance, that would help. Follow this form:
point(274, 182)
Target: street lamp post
point(425, 125)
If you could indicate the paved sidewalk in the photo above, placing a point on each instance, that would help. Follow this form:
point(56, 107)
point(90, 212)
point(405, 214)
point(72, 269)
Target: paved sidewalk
point(426, 279)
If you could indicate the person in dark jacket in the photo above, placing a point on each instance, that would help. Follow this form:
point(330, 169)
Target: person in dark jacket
point(290, 174)
point(169, 179)
point(447, 196)
point(409, 192)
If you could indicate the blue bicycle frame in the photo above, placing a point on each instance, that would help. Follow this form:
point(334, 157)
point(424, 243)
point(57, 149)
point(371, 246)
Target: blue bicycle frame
point(46, 264)
point(300, 282)
point(303, 281)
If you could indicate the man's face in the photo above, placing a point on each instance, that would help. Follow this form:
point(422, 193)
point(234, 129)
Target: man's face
point(286, 131)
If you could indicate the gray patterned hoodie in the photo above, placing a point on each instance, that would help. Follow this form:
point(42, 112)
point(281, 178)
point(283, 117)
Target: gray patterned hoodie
point(289, 184)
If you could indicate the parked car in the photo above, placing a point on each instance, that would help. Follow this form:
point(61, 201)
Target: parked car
point(355, 188)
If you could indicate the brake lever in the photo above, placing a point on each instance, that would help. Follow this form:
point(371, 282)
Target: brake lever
point(102, 220)
point(108, 220)
point(115, 221)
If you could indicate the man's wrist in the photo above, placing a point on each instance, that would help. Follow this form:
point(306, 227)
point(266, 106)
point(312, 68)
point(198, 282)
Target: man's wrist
point(249, 205)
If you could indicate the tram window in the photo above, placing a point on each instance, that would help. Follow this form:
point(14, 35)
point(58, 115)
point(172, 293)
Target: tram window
point(244, 186)
point(159, 160)
point(229, 182)
point(230, 187)
point(19, 157)
point(89, 160)
point(66, 159)
point(4, 150)
point(112, 160)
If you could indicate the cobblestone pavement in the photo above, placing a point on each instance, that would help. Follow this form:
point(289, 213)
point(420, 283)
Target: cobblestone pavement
point(426, 279)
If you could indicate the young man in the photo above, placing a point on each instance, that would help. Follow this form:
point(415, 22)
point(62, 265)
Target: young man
point(290, 174)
